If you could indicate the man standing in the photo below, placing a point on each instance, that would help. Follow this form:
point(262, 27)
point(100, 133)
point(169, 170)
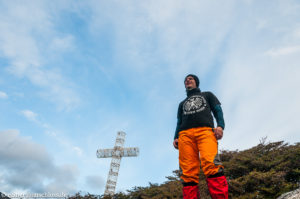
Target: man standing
point(195, 133)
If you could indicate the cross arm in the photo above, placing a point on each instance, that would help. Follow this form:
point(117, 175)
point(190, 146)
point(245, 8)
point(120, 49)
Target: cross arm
point(104, 153)
point(122, 152)
point(130, 152)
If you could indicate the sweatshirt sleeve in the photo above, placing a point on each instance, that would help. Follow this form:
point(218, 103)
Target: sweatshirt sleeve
point(218, 114)
point(179, 120)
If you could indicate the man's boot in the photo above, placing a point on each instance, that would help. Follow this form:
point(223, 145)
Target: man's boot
point(191, 192)
point(218, 187)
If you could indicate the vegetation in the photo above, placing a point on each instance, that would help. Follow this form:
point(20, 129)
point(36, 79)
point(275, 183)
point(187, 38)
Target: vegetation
point(263, 172)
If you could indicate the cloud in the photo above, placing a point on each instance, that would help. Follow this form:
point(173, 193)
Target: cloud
point(65, 43)
point(182, 35)
point(94, 182)
point(26, 165)
point(32, 116)
point(259, 79)
point(25, 44)
point(77, 150)
point(62, 141)
point(29, 115)
point(283, 51)
point(3, 95)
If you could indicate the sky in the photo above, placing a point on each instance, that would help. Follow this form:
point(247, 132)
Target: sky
point(74, 73)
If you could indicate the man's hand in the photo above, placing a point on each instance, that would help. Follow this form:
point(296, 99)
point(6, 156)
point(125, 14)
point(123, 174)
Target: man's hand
point(218, 133)
point(175, 143)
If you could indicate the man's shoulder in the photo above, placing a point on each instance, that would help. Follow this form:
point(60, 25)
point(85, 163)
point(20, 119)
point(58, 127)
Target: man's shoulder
point(207, 94)
point(180, 104)
point(211, 97)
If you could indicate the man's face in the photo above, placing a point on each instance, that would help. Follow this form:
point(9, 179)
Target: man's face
point(190, 83)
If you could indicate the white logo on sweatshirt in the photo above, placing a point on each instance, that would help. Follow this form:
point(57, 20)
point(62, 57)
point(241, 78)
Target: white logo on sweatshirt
point(194, 104)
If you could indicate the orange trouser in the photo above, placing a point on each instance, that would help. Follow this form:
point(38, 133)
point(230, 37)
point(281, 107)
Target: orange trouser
point(190, 143)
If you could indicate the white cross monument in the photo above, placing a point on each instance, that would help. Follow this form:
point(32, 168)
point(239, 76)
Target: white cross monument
point(116, 154)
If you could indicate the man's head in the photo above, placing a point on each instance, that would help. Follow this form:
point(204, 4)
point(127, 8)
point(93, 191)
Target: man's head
point(191, 81)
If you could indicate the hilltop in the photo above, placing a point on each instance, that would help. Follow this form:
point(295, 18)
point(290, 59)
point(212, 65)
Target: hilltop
point(265, 171)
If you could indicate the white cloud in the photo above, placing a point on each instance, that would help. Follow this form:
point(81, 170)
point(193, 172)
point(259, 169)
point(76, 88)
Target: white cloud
point(27, 166)
point(3, 95)
point(63, 141)
point(95, 182)
point(259, 81)
point(283, 51)
point(77, 150)
point(65, 43)
point(24, 42)
point(30, 115)
point(183, 35)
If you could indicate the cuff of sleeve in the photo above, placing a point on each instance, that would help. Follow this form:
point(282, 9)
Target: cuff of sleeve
point(221, 126)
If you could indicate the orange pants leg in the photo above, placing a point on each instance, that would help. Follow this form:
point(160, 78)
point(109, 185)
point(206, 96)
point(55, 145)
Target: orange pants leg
point(208, 147)
point(212, 168)
point(189, 161)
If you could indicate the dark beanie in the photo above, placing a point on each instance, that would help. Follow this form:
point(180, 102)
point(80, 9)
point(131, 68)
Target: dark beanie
point(195, 78)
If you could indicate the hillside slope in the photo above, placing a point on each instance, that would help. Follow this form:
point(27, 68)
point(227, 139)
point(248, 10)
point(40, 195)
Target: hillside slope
point(265, 171)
